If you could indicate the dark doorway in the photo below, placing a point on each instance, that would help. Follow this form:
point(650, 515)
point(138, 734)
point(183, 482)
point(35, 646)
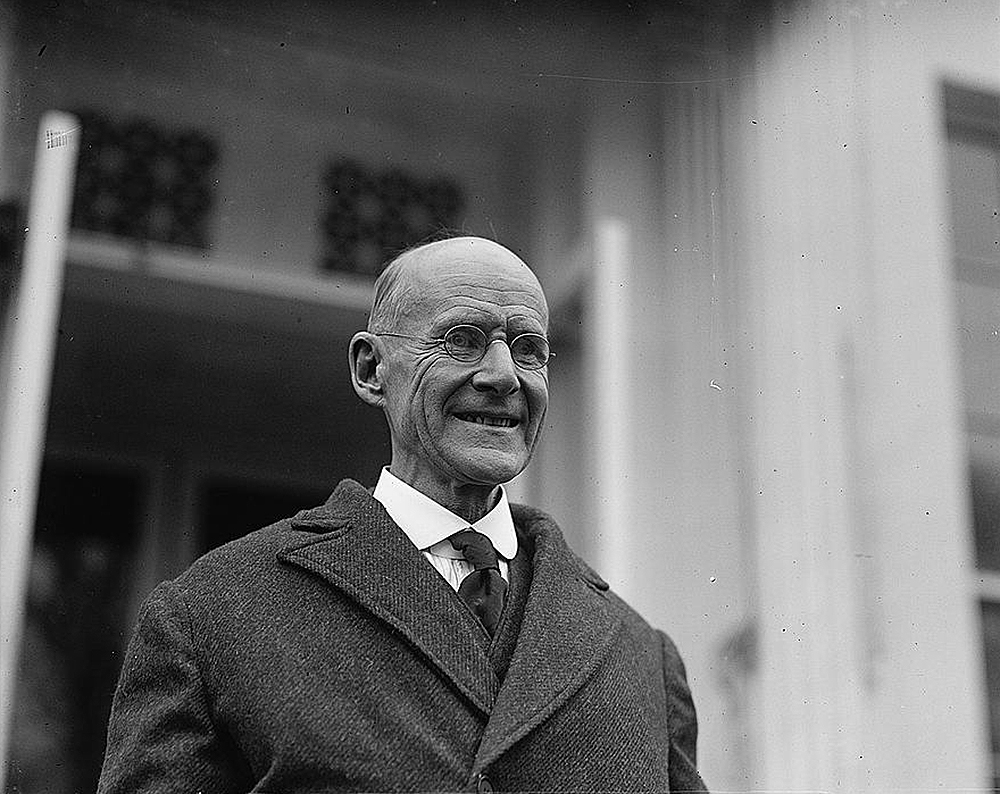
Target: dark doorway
point(75, 624)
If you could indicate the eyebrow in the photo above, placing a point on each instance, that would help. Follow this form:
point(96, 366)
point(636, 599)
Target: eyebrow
point(513, 326)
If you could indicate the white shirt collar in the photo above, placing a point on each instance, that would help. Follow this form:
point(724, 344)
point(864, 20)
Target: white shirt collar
point(429, 525)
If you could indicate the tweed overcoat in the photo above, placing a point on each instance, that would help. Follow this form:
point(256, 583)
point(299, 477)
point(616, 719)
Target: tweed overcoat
point(323, 653)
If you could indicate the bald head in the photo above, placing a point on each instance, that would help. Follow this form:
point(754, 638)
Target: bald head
point(402, 289)
point(464, 413)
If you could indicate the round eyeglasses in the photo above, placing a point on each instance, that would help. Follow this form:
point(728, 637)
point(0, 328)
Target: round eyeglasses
point(468, 344)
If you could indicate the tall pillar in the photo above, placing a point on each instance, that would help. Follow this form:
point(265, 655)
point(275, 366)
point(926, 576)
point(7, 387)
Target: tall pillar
point(662, 399)
point(26, 356)
point(866, 674)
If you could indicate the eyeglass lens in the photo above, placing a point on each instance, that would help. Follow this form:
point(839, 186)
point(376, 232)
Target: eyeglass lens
point(469, 343)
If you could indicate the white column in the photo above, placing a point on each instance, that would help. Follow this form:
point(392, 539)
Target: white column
point(621, 214)
point(867, 673)
point(25, 374)
point(800, 271)
point(609, 364)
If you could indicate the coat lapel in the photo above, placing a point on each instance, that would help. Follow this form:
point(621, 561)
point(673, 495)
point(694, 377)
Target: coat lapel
point(568, 627)
point(359, 550)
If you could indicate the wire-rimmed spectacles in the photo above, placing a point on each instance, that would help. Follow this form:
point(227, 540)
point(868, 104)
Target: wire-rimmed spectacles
point(468, 344)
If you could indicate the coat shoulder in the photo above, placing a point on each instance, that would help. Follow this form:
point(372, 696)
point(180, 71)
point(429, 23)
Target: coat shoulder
point(255, 555)
point(533, 523)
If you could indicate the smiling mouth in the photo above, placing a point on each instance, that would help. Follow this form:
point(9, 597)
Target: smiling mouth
point(492, 421)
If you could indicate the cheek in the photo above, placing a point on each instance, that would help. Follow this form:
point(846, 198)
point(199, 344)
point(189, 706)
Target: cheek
point(538, 400)
point(427, 401)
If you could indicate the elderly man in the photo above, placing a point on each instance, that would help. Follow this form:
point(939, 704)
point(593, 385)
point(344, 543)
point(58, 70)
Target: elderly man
point(424, 636)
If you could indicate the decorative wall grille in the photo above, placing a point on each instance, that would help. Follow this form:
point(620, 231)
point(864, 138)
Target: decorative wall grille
point(370, 217)
point(136, 179)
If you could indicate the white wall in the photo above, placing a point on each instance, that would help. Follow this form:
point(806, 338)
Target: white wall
point(798, 426)
point(868, 672)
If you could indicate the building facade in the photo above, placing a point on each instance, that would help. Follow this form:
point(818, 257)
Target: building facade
point(769, 236)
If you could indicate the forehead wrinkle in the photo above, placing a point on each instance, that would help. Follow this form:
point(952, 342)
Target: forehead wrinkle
point(498, 298)
point(460, 312)
point(495, 312)
point(502, 290)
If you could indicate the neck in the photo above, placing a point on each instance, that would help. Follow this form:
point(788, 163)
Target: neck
point(470, 501)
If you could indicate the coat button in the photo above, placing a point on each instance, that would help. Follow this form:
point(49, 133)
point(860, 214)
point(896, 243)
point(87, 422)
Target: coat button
point(483, 785)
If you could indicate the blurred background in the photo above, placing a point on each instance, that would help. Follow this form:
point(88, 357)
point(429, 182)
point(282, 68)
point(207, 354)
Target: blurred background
point(769, 237)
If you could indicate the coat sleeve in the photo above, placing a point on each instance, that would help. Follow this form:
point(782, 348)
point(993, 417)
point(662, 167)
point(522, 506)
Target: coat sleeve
point(161, 737)
point(683, 723)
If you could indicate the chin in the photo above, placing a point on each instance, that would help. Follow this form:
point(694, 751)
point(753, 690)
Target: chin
point(490, 471)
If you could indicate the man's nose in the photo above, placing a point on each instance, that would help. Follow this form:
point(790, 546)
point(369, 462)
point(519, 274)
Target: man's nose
point(497, 371)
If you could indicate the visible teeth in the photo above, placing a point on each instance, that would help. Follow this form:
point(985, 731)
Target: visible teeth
point(492, 421)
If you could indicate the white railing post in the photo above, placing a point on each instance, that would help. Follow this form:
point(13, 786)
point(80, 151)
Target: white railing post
point(25, 373)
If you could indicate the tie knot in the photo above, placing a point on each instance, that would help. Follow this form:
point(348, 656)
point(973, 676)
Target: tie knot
point(476, 548)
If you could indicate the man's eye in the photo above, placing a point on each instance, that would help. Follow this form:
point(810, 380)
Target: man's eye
point(462, 338)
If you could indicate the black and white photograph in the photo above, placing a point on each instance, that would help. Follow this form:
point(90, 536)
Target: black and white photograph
point(499, 395)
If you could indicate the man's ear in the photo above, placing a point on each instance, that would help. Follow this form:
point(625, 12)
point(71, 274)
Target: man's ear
point(364, 355)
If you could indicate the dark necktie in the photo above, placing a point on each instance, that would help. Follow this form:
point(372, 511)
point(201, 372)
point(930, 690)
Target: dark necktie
point(484, 589)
